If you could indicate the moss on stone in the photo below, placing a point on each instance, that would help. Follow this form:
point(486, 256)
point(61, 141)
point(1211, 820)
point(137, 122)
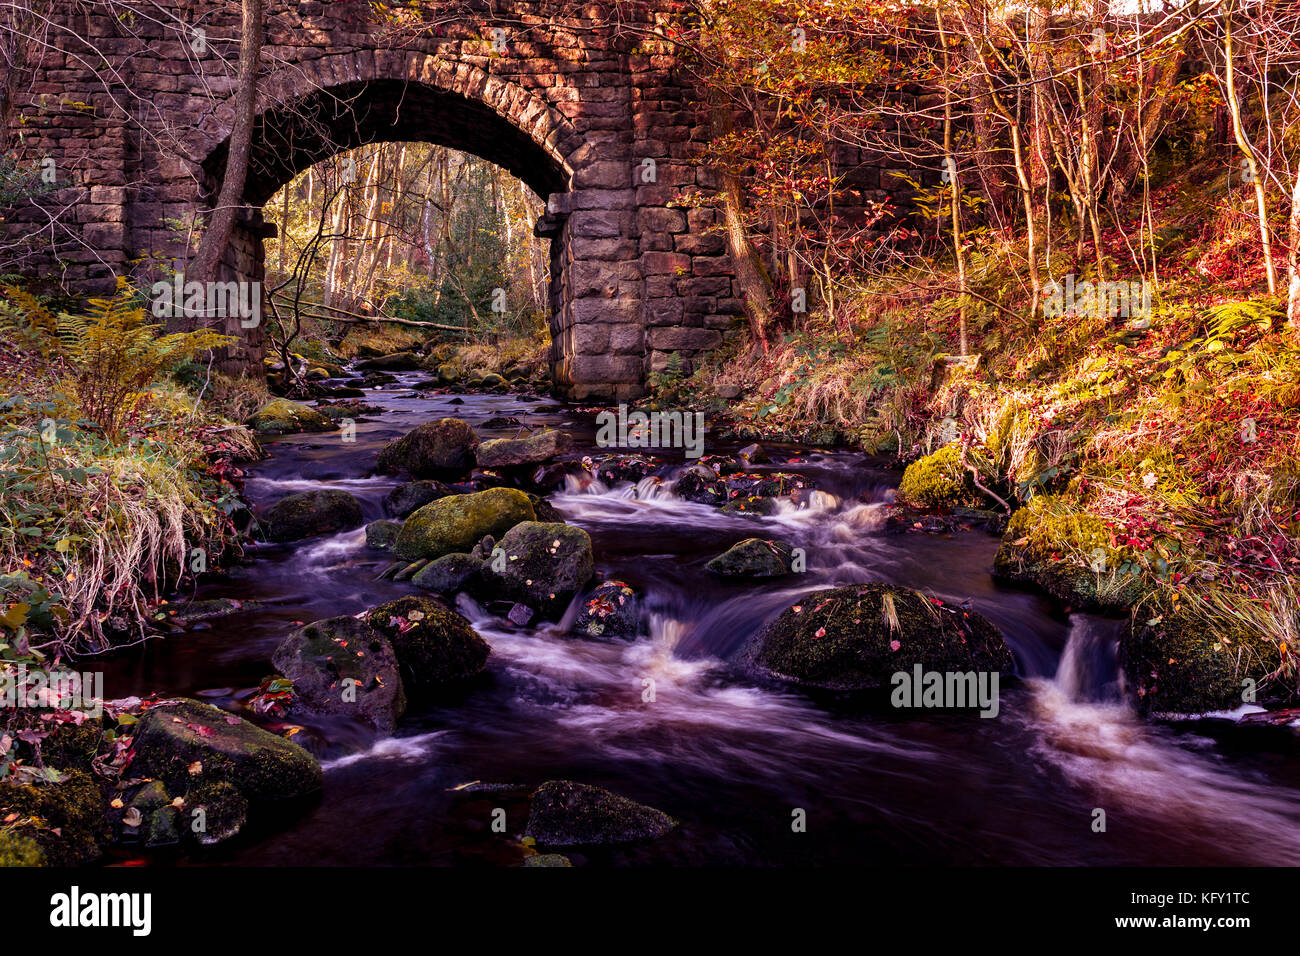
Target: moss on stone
point(65, 819)
point(435, 646)
point(282, 417)
point(189, 743)
point(18, 850)
point(565, 813)
point(434, 449)
point(344, 667)
point(544, 566)
point(753, 558)
point(939, 481)
point(857, 637)
point(458, 522)
point(213, 813)
point(309, 513)
point(382, 534)
point(449, 574)
point(1053, 543)
point(1178, 662)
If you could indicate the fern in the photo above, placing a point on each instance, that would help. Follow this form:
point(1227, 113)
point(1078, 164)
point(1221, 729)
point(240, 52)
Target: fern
point(107, 358)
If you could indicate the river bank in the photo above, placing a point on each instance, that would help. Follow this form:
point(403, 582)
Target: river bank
point(729, 756)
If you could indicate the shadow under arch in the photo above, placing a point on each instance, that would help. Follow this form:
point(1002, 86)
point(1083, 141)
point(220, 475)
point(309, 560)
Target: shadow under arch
point(303, 119)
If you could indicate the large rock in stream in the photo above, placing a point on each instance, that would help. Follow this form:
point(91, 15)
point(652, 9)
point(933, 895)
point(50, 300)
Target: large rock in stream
point(565, 813)
point(753, 558)
point(405, 499)
point(393, 362)
point(458, 522)
point(535, 448)
point(283, 417)
point(435, 449)
point(187, 744)
point(436, 648)
point(342, 666)
point(308, 513)
point(857, 637)
point(543, 566)
point(1178, 664)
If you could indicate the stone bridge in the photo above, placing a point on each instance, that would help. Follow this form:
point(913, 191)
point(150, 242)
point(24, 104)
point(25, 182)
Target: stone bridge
point(132, 110)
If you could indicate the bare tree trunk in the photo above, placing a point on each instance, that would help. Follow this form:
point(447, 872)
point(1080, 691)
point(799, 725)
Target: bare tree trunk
point(755, 286)
point(1248, 151)
point(203, 267)
point(1293, 260)
point(955, 185)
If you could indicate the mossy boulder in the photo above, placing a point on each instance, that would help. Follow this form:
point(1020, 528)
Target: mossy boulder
point(63, 818)
point(194, 612)
point(565, 813)
point(308, 513)
point(213, 813)
point(701, 485)
point(751, 505)
point(382, 534)
point(492, 380)
point(439, 448)
point(342, 666)
point(448, 374)
point(611, 610)
point(406, 498)
point(536, 448)
point(753, 558)
point(450, 574)
point(857, 637)
point(1178, 662)
point(1052, 543)
point(543, 566)
point(436, 648)
point(456, 523)
point(939, 482)
point(186, 744)
point(393, 362)
point(283, 417)
point(147, 816)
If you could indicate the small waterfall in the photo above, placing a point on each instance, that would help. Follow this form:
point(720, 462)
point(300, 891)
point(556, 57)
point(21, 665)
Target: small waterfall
point(1089, 670)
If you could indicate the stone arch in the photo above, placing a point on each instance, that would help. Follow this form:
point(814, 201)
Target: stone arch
point(309, 112)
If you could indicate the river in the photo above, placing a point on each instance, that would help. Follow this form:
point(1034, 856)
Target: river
point(732, 757)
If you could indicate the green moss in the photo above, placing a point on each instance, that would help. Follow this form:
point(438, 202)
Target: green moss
point(190, 743)
point(73, 746)
point(18, 850)
point(458, 522)
point(753, 558)
point(856, 637)
point(1177, 662)
point(65, 819)
point(1067, 552)
point(434, 449)
point(282, 417)
point(214, 812)
point(435, 646)
point(938, 481)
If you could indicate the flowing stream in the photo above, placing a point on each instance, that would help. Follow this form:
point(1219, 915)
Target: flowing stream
point(731, 757)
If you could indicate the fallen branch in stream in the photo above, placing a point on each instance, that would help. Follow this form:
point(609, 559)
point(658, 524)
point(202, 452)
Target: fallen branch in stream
point(342, 315)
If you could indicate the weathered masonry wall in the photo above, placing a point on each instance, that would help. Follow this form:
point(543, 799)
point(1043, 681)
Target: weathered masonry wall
point(572, 99)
